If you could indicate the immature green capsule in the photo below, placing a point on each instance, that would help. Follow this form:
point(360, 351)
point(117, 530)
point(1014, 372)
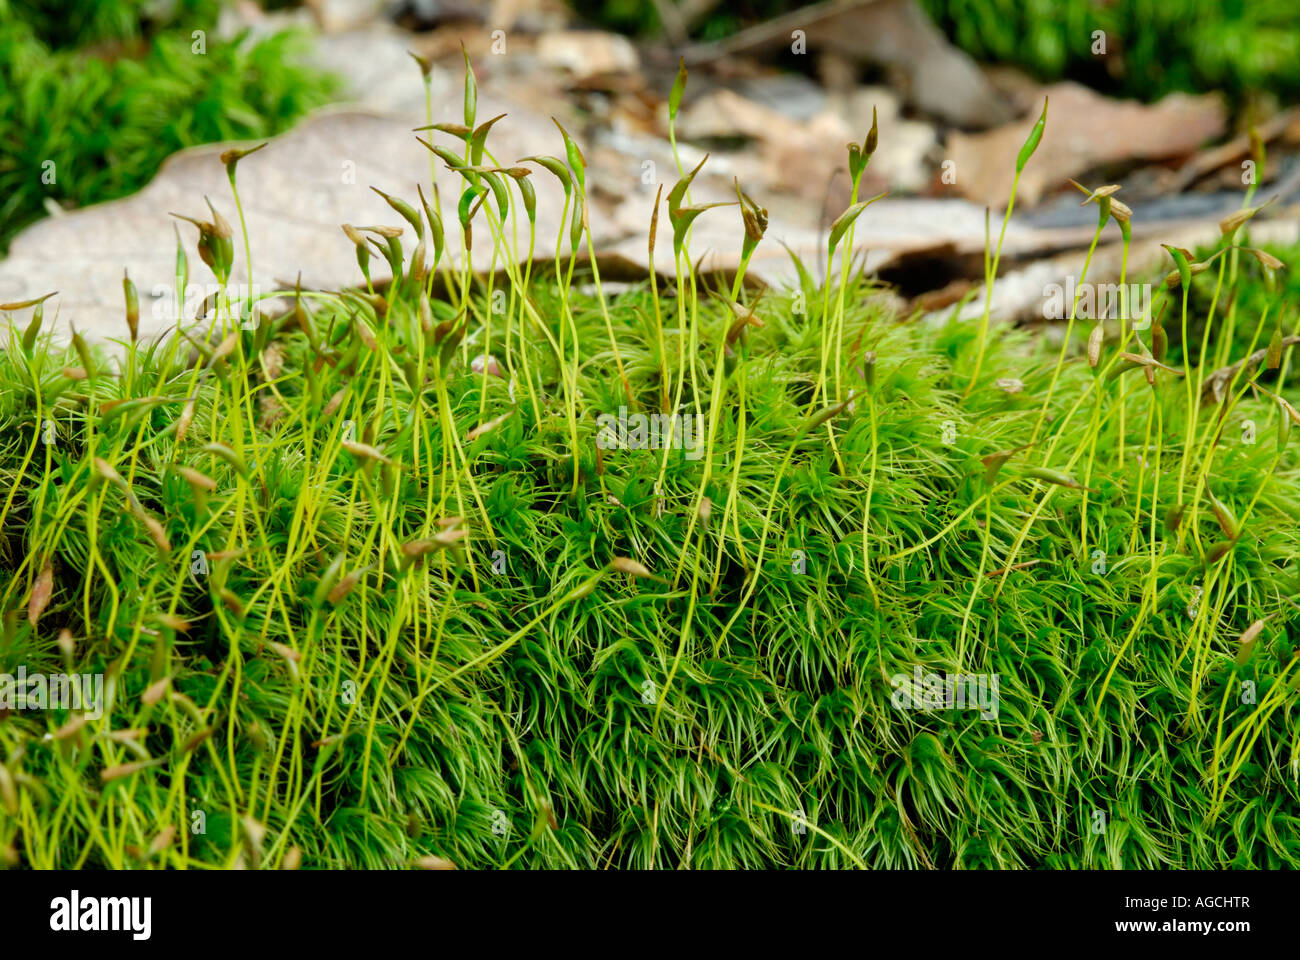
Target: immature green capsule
point(443, 154)
point(419, 267)
point(1223, 514)
point(577, 222)
point(392, 252)
point(577, 162)
point(256, 732)
point(406, 211)
point(1218, 551)
point(448, 343)
point(346, 362)
point(426, 315)
point(216, 248)
point(327, 581)
point(1273, 358)
point(83, 352)
point(1246, 642)
point(1159, 342)
point(679, 88)
point(458, 130)
point(869, 368)
point(471, 89)
point(184, 420)
point(584, 589)
point(1031, 143)
point(860, 154)
point(450, 159)
point(1048, 475)
point(678, 193)
point(526, 191)
point(200, 485)
point(557, 167)
point(1182, 259)
point(873, 137)
point(478, 140)
point(412, 371)
point(466, 209)
point(435, 228)
point(994, 462)
point(754, 219)
point(24, 304)
point(424, 63)
point(34, 327)
point(654, 223)
point(498, 193)
point(821, 416)
point(1284, 424)
point(223, 246)
point(363, 249)
point(628, 565)
point(228, 455)
point(182, 264)
point(682, 219)
point(132, 307)
point(1094, 345)
point(845, 220)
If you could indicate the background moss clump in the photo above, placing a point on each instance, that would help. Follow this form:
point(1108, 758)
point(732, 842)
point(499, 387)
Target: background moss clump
point(105, 91)
point(1153, 47)
point(1242, 47)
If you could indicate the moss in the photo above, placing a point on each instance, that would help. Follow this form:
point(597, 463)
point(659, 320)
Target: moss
point(91, 103)
point(425, 610)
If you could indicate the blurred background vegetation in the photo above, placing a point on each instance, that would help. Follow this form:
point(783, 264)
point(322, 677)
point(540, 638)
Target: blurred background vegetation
point(107, 89)
point(1241, 47)
point(1244, 48)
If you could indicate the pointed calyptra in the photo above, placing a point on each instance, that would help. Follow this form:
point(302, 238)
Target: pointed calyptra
point(424, 63)
point(860, 154)
point(34, 327)
point(679, 88)
point(457, 130)
point(231, 159)
point(685, 216)
point(406, 211)
point(678, 193)
point(845, 219)
point(471, 89)
point(1032, 141)
point(577, 162)
point(1233, 221)
point(754, 218)
point(363, 249)
point(435, 228)
point(132, 306)
point(216, 248)
point(520, 176)
point(478, 139)
point(557, 167)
